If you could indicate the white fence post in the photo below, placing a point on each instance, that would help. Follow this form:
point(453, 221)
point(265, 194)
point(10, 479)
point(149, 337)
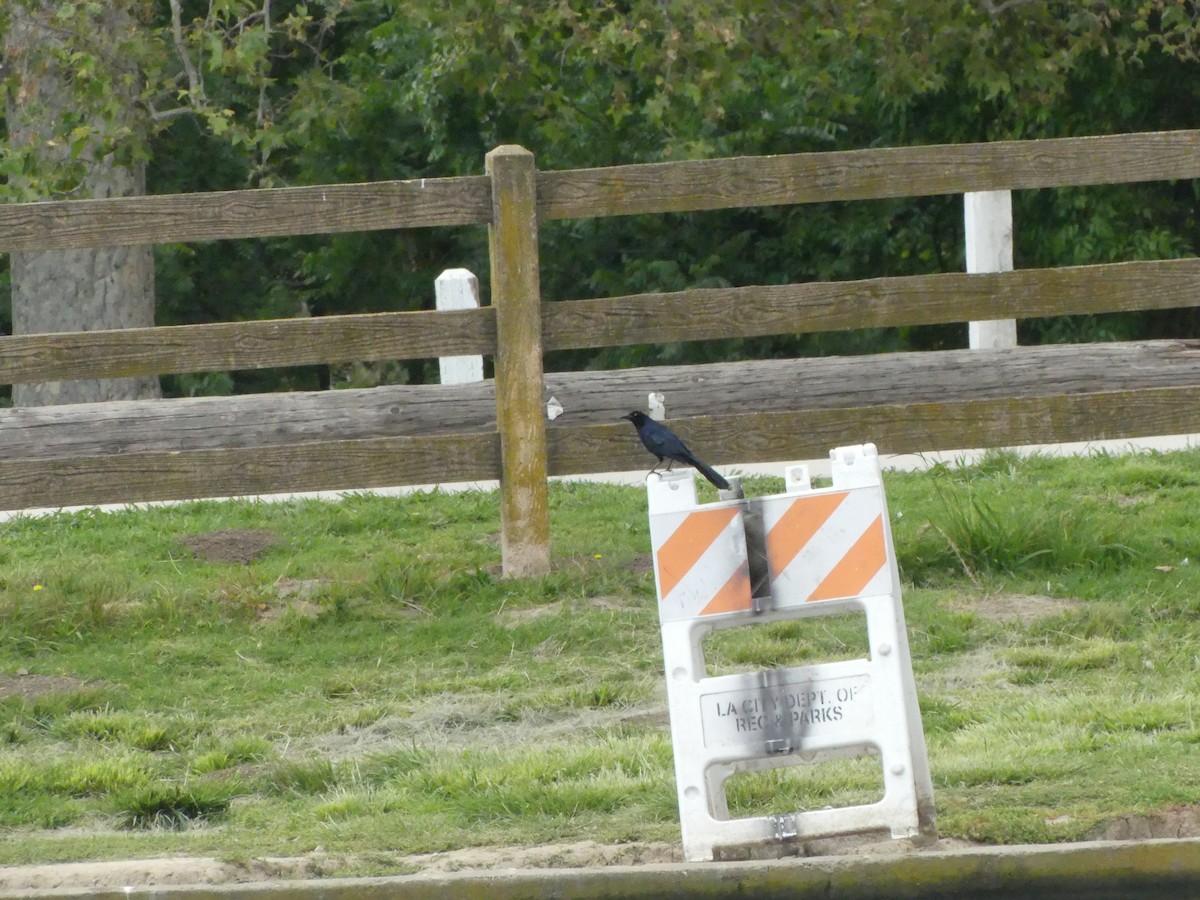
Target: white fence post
point(458, 289)
point(989, 228)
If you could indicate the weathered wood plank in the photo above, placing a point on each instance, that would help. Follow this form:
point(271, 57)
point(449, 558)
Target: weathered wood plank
point(800, 386)
point(796, 386)
point(313, 466)
point(867, 174)
point(171, 218)
point(520, 416)
point(898, 428)
point(1113, 391)
point(579, 449)
point(870, 303)
point(260, 344)
point(642, 318)
point(245, 421)
point(618, 190)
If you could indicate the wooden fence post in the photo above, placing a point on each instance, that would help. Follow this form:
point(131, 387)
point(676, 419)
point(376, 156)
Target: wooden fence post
point(458, 289)
point(516, 296)
point(988, 218)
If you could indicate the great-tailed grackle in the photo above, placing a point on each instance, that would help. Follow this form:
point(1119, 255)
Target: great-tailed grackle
point(665, 444)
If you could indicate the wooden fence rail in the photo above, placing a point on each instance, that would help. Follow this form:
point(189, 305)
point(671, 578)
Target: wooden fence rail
point(739, 412)
point(868, 174)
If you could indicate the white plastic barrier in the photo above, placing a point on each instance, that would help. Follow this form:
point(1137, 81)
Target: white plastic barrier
point(812, 552)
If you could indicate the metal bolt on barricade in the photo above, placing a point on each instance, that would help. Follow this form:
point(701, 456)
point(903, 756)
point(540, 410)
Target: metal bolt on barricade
point(805, 553)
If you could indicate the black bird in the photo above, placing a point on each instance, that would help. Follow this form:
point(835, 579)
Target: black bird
point(665, 444)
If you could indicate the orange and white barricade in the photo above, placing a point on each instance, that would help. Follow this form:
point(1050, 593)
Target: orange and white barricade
point(806, 552)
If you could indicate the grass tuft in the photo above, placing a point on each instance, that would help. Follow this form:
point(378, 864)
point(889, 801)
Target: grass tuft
point(83, 778)
point(310, 777)
point(129, 729)
point(166, 805)
point(234, 752)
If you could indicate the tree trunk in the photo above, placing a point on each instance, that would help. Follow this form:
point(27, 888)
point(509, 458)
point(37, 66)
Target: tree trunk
point(91, 289)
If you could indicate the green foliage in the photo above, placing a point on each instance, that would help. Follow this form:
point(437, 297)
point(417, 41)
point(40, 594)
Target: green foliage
point(172, 805)
point(229, 754)
point(988, 520)
point(128, 729)
point(238, 92)
point(72, 75)
point(841, 782)
point(314, 777)
point(786, 644)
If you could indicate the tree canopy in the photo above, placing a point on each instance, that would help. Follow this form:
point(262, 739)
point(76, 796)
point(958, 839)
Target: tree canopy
point(240, 93)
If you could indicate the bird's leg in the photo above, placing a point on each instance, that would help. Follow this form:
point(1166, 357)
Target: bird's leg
point(656, 465)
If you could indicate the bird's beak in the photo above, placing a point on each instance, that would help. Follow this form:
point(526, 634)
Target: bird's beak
point(628, 417)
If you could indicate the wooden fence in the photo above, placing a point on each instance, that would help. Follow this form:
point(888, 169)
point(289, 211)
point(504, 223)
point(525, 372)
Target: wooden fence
point(738, 412)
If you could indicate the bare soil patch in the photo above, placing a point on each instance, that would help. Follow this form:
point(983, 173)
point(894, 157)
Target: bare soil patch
point(1021, 608)
point(1179, 822)
point(30, 687)
point(474, 721)
point(580, 854)
point(232, 545)
point(514, 617)
point(178, 871)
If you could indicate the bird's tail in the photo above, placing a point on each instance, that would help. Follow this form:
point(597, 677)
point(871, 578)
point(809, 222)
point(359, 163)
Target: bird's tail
point(711, 474)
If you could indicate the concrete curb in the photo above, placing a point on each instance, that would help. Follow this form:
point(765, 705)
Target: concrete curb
point(1087, 871)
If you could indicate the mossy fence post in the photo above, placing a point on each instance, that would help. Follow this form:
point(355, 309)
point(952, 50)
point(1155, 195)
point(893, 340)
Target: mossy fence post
point(516, 296)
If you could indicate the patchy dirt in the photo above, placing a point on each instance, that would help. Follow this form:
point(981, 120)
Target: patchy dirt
point(514, 617)
point(643, 563)
point(1183, 822)
point(474, 721)
point(177, 871)
point(1179, 822)
point(1021, 608)
point(30, 687)
point(232, 545)
point(303, 609)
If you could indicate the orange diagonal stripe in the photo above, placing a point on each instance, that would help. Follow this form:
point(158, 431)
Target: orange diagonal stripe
point(796, 527)
point(688, 543)
point(857, 567)
point(733, 596)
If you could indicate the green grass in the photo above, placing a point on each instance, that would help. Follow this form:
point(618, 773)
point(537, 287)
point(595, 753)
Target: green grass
point(370, 685)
